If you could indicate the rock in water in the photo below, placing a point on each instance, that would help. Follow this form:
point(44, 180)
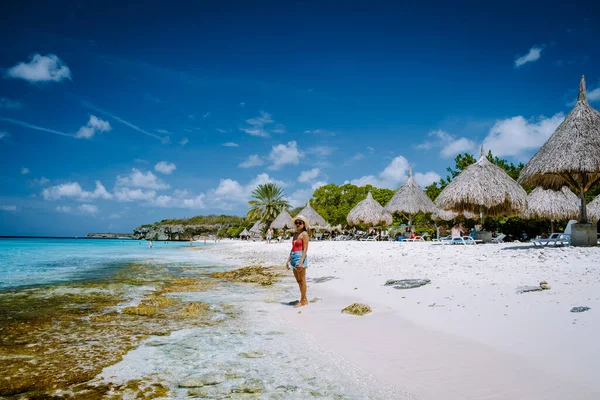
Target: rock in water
point(407, 283)
point(580, 309)
point(204, 380)
point(357, 309)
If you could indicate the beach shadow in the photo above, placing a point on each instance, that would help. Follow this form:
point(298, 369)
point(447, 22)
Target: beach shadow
point(322, 279)
point(291, 303)
point(529, 246)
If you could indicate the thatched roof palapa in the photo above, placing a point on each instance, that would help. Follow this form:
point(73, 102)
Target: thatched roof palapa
point(444, 215)
point(314, 219)
point(257, 227)
point(282, 222)
point(483, 187)
point(571, 156)
point(552, 204)
point(369, 212)
point(593, 209)
point(245, 233)
point(410, 199)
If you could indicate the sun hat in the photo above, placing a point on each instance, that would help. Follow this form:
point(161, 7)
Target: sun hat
point(303, 219)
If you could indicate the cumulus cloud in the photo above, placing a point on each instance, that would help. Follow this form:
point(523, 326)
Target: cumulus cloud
point(48, 68)
point(94, 125)
point(593, 95)
point(518, 137)
point(308, 176)
point(252, 161)
point(40, 182)
point(258, 126)
point(532, 55)
point(285, 154)
point(142, 180)
point(231, 144)
point(9, 104)
point(127, 194)
point(165, 167)
point(24, 171)
point(8, 207)
point(449, 144)
point(88, 209)
point(394, 174)
point(73, 190)
point(230, 190)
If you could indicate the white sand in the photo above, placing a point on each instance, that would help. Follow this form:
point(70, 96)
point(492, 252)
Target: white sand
point(468, 334)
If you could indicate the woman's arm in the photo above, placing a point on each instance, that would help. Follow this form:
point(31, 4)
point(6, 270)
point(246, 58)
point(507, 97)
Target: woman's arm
point(304, 248)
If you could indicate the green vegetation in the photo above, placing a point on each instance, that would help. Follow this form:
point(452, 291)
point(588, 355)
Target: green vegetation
point(267, 202)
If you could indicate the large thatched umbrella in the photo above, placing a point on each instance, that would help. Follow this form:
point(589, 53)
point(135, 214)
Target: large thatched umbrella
point(410, 199)
point(244, 233)
point(593, 209)
point(572, 154)
point(314, 219)
point(282, 222)
point(369, 212)
point(483, 188)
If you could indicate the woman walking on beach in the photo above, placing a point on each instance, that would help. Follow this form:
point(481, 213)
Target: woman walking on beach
point(298, 259)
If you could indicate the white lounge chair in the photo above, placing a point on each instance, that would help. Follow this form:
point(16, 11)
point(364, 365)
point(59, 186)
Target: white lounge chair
point(499, 238)
point(557, 238)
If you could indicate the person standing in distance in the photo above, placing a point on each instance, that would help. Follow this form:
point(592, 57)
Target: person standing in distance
point(298, 258)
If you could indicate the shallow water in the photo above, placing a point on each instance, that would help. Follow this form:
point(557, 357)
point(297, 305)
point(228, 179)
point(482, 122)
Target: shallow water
point(246, 346)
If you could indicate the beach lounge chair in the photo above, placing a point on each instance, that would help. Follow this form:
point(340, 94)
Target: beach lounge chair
point(499, 238)
point(557, 238)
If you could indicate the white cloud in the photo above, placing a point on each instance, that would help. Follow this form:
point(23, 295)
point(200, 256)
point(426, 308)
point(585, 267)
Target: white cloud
point(48, 68)
point(282, 154)
point(308, 176)
point(518, 137)
point(243, 105)
point(394, 174)
point(593, 95)
point(258, 125)
point(94, 125)
point(449, 144)
point(74, 191)
point(321, 151)
point(127, 194)
point(184, 141)
point(37, 128)
point(9, 104)
point(253, 161)
point(165, 167)
point(231, 144)
point(371, 149)
point(82, 209)
point(138, 179)
point(7, 207)
point(88, 209)
point(221, 130)
point(163, 131)
point(322, 132)
point(24, 171)
point(230, 190)
point(206, 115)
point(534, 54)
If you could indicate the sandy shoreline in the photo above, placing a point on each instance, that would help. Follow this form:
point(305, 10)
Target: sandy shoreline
point(468, 334)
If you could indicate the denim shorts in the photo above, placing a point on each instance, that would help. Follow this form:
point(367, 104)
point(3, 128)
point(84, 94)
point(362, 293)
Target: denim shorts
point(295, 257)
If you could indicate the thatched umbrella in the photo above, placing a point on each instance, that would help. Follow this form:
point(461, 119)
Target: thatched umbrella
point(257, 228)
point(572, 154)
point(552, 204)
point(282, 222)
point(244, 233)
point(410, 199)
point(593, 209)
point(314, 219)
point(483, 188)
point(369, 212)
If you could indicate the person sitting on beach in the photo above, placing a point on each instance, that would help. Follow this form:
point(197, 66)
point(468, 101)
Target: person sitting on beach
point(456, 231)
point(269, 235)
point(298, 258)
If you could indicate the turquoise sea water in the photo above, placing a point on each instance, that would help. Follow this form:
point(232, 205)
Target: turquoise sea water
point(25, 262)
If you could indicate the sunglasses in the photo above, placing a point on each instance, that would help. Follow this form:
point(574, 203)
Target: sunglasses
point(298, 223)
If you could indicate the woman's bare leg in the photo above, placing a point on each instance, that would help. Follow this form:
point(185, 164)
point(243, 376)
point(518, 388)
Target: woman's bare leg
point(300, 274)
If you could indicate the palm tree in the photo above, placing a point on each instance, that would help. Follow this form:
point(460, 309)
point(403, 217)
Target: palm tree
point(267, 202)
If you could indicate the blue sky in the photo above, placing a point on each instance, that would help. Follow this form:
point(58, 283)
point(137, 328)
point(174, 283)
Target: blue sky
point(112, 116)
